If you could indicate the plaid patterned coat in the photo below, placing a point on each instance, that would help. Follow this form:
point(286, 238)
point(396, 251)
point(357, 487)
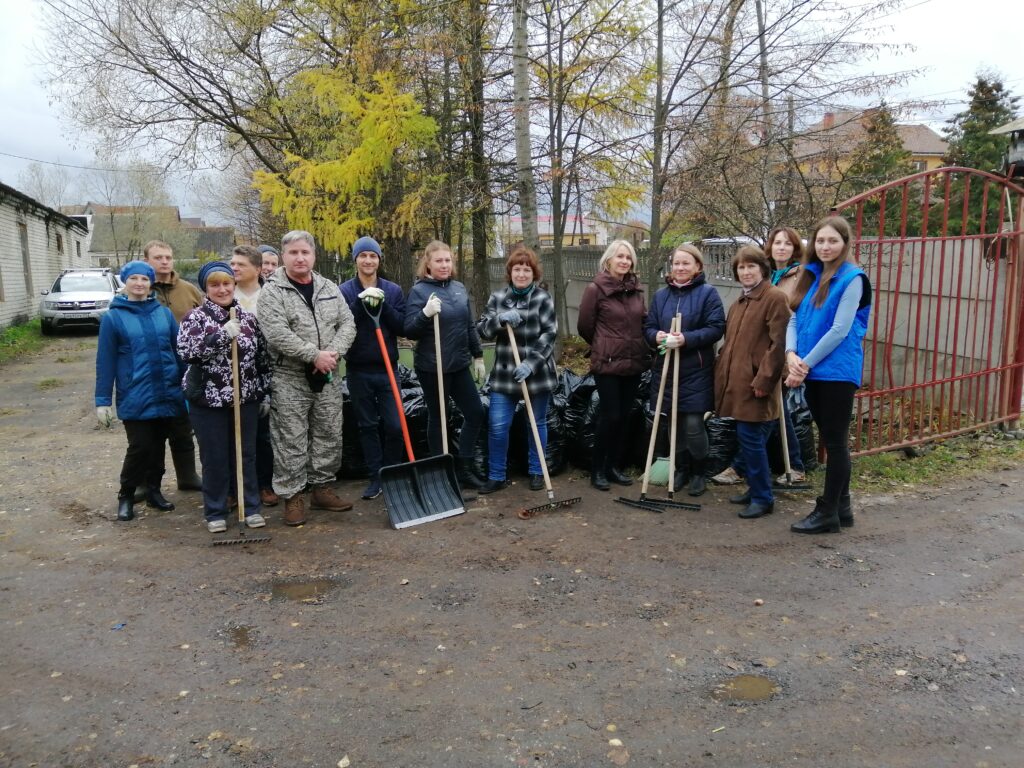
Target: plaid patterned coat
point(535, 338)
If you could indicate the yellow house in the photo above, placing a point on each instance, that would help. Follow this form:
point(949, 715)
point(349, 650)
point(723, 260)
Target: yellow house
point(825, 149)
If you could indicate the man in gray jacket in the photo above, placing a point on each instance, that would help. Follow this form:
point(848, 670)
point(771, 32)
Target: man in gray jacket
point(308, 327)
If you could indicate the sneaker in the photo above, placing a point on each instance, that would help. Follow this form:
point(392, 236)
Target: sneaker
point(795, 476)
point(255, 521)
point(216, 526)
point(728, 476)
point(373, 490)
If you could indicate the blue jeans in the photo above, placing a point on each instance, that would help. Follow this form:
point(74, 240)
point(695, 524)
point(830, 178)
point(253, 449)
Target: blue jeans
point(380, 431)
point(503, 408)
point(796, 461)
point(752, 436)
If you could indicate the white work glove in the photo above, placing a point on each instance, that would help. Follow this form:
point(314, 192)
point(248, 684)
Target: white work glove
point(433, 306)
point(372, 297)
point(479, 370)
point(265, 408)
point(672, 341)
point(104, 415)
point(232, 328)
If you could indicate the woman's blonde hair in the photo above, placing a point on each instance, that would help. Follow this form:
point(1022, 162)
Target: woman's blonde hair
point(434, 246)
point(611, 250)
point(689, 248)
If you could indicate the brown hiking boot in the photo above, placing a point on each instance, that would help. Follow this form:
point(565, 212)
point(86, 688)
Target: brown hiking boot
point(325, 498)
point(268, 498)
point(294, 510)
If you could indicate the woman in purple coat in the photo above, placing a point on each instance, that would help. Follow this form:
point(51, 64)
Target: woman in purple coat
point(703, 324)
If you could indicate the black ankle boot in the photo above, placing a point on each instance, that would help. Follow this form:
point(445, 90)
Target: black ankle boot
point(465, 469)
point(822, 520)
point(679, 480)
point(845, 511)
point(698, 483)
point(125, 512)
point(598, 480)
point(156, 500)
point(140, 494)
point(613, 475)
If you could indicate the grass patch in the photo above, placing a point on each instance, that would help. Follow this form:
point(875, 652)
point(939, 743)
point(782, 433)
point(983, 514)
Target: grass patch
point(50, 383)
point(18, 340)
point(951, 459)
point(68, 358)
point(573, 355)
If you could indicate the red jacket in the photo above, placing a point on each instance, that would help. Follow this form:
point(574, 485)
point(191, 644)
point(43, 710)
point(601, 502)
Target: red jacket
point(611, 321)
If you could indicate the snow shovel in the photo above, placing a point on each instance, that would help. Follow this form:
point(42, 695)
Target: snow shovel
point(658, 505)
point(421, 491)
point(790, 485)
point(526, 514)
point(239, 472)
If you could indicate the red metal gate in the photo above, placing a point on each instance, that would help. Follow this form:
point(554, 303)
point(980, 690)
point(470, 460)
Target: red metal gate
point(944, 353)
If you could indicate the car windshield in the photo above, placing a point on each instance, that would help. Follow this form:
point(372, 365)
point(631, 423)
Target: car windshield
point(75, 283)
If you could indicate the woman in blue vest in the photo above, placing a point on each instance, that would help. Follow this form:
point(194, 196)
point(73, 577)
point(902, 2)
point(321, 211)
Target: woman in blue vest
point(824, 350)
point(136, 357)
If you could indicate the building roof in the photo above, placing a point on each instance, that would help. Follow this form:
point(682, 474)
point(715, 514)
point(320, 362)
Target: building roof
point(218, 240)
point(7, 192)
point(840, 132)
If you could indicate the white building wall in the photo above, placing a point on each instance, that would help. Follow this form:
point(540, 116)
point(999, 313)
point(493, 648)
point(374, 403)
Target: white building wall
point(19, 292)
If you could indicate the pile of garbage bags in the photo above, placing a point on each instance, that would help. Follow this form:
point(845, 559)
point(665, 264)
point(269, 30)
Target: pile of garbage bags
point(571, 421)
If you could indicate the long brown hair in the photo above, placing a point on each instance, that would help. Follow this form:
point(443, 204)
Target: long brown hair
point(840, 225)
point(794, 239)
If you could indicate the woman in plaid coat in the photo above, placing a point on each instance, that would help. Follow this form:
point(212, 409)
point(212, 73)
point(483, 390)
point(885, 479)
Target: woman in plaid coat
point(529, 310)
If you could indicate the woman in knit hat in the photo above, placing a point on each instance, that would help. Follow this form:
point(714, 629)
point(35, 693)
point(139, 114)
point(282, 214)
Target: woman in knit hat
point(135, 357)
point(204, 343)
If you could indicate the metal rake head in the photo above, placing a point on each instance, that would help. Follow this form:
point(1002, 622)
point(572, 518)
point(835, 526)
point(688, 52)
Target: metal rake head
point(240, 540)
point(526, 514)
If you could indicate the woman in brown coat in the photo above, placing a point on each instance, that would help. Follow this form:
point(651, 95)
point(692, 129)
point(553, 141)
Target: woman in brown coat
point(748, 372)
point(611, 321)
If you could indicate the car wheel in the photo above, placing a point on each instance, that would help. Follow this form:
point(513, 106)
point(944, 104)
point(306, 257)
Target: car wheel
point(46, 327)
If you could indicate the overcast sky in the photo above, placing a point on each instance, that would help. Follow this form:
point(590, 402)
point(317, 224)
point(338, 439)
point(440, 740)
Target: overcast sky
point(954, 39)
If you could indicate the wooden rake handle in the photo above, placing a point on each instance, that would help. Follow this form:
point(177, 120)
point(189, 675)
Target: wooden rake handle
point(533, 419)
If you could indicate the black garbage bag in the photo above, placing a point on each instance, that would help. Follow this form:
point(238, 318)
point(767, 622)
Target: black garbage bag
point(803, 424)
point(455, 423)
point(353, 466)
point(637, 432)
point(722, 444)
point(579, 416)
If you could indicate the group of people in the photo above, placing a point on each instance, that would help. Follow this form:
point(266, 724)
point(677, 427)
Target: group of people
point(799, 322)
point(167, 349)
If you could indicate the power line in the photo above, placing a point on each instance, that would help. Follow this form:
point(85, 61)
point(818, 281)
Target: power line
point(79, 167)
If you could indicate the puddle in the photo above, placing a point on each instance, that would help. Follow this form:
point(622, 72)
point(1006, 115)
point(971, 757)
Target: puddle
point(241, 637)
point(302, 591)
point(745, 688)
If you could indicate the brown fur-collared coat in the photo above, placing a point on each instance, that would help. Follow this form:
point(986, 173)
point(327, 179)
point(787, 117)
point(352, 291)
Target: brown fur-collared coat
point(753, 356)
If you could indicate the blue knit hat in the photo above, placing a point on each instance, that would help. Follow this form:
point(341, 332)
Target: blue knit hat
point(213, 266)
point(366, 244)
point(268, 249)
point(137, 268)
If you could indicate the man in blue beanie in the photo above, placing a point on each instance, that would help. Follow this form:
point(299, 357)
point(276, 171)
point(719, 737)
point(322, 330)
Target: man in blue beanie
point(367, 294)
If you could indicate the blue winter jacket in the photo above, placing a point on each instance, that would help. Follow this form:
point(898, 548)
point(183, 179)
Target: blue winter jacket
point(364, 354)
point(703, 325)
point(460, 342)
point(136, 354)
point(846, 361)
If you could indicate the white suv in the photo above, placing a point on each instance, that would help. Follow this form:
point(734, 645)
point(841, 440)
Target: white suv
point(79, 297)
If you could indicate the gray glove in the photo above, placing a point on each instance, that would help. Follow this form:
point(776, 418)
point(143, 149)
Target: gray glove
point(522, 371)
point(104, 415)
point(232, 328)
point(372, 297)
point(510, 317)
point(479, 370)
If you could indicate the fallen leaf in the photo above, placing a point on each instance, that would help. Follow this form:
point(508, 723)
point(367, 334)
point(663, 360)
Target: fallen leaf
point(759, 602)
point(344, 762)
point(619, 756)
point(403, 582)
point(614, 742)
point(611, 728)
point(901, 673)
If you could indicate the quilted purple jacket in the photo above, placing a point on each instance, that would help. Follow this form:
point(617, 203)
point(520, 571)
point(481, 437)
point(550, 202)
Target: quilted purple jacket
point(206, 348)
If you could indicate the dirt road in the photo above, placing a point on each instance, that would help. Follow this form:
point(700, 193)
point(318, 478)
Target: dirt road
point(598, 635)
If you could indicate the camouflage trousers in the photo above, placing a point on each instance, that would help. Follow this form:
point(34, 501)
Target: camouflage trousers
point(305, 431)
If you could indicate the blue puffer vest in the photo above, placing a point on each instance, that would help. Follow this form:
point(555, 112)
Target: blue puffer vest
point(845, 362)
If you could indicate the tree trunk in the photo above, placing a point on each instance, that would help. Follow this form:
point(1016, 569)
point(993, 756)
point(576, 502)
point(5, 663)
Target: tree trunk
point(524, 150)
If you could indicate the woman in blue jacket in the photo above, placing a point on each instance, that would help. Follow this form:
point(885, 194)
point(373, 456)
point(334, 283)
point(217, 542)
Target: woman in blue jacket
point(436, 292)
point(703, 324)
point(824, 350)
point(136, 356)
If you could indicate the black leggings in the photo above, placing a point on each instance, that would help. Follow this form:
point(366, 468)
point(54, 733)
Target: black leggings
point(459, 386)
point(831, 404)
point(617, 394)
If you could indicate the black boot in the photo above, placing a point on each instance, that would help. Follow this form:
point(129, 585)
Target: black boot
point(845, 511)
point(698, 483)
point(185, 471)
point(140, 494)
point(124, 505)
point(156, 500)
point(822, 520)
point(465, 469)
point(598, 479)
point(612, 474)
point(679, 480)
